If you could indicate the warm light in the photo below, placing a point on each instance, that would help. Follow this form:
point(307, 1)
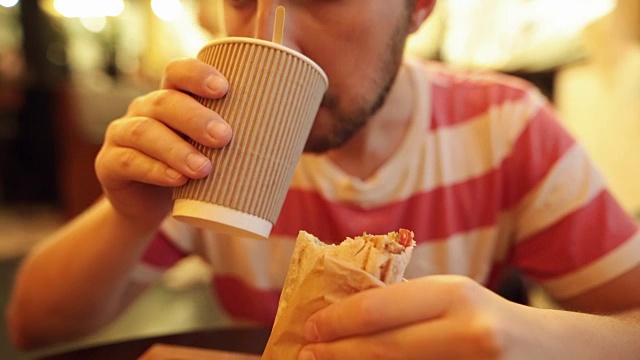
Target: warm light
point(8, 3)
point(513, 35)
point(95, 25)
point(89, 9)
point(167, 10)
point(571, 13)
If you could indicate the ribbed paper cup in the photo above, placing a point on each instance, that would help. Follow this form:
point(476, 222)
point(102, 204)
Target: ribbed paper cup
point(274, 95)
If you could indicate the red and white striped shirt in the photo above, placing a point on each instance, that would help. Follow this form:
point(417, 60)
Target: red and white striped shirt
point(486, 178)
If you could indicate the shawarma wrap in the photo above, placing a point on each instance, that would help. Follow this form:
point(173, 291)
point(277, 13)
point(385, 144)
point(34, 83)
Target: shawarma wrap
point(320, 274)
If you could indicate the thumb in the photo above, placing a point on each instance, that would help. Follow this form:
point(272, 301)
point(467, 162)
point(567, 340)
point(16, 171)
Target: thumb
point(386, 307)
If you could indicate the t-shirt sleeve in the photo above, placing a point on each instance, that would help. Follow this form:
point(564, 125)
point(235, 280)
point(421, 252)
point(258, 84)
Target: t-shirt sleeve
point(571, 235)
point(173, 242)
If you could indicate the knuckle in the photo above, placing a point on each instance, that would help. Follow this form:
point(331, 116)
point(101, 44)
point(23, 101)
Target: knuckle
point(135, 105)
point(156, 171)
point(174, 154)
point(98, 164)
point(483, 333)
point(485, 337)
point(125, 160)
point(112, 127)
point(107, 164)
point(161, 98)
point(138, 128)
point(171, 64)
point(465, 289)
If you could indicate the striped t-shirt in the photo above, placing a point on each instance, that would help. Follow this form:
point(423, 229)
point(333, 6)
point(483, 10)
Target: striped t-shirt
point(486, 178)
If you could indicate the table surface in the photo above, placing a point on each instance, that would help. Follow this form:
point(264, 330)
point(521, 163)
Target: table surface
point(242, 340)
point(176, 352)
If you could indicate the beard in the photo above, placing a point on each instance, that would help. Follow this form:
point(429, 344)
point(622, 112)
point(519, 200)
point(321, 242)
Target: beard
point(346, 123)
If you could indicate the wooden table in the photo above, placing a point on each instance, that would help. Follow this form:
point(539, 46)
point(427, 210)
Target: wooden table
point(238, 340)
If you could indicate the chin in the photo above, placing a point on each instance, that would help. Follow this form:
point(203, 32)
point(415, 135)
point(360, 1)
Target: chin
point(314, 144)
point(319, 131)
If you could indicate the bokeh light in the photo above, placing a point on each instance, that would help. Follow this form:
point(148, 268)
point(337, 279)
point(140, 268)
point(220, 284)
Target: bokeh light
point(89, 9)
point(167, 10)
point(8, 3)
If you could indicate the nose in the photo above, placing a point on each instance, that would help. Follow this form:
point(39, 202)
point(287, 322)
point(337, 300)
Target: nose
point(265, 21)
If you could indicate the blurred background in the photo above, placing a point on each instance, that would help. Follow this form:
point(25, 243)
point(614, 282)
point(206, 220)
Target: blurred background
point(69, 67)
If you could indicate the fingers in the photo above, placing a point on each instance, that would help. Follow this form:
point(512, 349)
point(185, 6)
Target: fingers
point(131, 165)
point(176, 107)
point(383, 308)
point(194, 77)
point(394, 344)
point(147, 145)
point(437, 339)
point(435, 317)
point(144, 150)
point(184, 114)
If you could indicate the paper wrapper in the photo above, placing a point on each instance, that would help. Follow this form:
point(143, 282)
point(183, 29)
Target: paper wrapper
point(321, 274)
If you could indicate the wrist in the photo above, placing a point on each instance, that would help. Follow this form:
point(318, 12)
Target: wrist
point(130, 225)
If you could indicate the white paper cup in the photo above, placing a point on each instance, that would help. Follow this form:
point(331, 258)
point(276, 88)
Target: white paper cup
point(274, 95)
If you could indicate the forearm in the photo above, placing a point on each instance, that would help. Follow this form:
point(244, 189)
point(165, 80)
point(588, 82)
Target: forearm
point(622, 333)
point(76, 280)
point(572, 335)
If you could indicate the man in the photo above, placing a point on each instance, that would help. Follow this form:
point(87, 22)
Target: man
point(474, 164)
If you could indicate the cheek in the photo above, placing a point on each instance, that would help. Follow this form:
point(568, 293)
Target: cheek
point(350, 58)
point(352, 75)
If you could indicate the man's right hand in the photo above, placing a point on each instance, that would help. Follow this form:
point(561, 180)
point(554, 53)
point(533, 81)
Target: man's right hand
point(145, 153)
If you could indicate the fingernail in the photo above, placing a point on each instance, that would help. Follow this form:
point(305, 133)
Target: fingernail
point(196, 162)
point(218, 129)
point(306, 355)
point(311, 332)
point(217, 84)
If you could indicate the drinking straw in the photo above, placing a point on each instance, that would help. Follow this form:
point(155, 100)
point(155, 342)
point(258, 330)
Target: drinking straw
point(278, 28)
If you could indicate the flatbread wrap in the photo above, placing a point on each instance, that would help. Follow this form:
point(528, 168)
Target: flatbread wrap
point(320, 274)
